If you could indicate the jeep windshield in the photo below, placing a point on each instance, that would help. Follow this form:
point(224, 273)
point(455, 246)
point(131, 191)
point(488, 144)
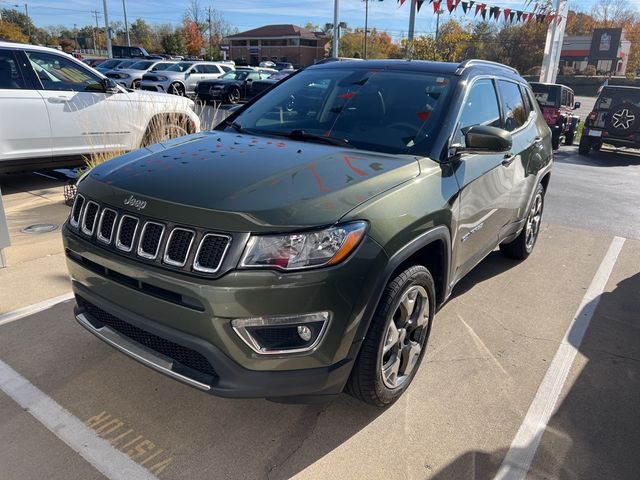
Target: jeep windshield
point(612, 97)
point(546, 95)
point(389, 111)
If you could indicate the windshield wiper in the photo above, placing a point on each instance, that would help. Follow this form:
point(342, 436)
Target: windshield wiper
point(237, 127)
point(299, 134)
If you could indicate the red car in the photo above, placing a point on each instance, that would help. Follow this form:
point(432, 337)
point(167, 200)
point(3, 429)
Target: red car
point(557, 104)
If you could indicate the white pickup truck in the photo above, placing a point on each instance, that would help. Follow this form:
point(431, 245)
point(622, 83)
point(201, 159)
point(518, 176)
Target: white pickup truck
point(56, 111)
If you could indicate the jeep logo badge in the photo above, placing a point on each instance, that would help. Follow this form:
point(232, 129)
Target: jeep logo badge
point(135, 203)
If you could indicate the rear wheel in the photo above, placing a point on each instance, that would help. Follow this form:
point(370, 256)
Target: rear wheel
point(397, 339)
point(523, 245)
point(555, 140)
point(585, 145)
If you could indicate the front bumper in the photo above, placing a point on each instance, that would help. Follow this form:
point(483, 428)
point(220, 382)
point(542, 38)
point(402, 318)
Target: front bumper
point(345, 290)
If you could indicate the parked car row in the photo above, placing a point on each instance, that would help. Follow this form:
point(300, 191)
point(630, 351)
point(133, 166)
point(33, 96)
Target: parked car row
point(56, 110)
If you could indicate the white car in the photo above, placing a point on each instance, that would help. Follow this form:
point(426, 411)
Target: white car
point(55, 111)
point(182, 78)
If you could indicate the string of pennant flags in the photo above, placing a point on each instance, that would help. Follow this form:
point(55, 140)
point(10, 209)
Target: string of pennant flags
point(541, 10)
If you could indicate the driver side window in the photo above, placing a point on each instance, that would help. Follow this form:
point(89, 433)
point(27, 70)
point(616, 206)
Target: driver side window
point(58, 73)
point(480, 108)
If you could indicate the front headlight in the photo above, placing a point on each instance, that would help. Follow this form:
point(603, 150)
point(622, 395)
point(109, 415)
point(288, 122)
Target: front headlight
point(296, 251)
point(124, 75)
point(162, 78)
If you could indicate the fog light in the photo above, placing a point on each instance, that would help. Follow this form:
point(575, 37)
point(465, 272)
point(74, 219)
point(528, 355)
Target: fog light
point(282, 334)
point(304, 332)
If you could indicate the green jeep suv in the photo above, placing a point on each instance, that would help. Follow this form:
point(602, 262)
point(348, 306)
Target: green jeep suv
point(304, 245)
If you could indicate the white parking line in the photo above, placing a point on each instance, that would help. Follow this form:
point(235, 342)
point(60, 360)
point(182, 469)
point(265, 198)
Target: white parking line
point(112, 463)
point(517, 462)
point(35, 308)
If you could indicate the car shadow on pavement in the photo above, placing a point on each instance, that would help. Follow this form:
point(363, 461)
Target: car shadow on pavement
point(595, 431)
point(606, 157)
point(493, 265)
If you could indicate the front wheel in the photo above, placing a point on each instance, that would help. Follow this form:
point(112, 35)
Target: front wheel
point(568, 137)
point(233, 96)
point(523, 245)
point(177, 89)
point(397, 338)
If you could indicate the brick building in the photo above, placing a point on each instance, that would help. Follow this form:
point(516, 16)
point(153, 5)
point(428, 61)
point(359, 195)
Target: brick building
point(278, 43)
point(606, 49)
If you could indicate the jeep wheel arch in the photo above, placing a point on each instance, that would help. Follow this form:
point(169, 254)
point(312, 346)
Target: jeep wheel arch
point(438, 238)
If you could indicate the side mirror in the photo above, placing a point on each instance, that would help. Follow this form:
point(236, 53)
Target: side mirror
point(576, 105)
point(109, 85)
point(249, 80)
point(482, 138)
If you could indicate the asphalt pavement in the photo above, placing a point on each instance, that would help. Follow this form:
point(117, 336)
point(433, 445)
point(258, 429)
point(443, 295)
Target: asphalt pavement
point(537, 359)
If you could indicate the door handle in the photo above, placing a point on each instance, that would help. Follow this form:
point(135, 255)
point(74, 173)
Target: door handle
point(508, 159)
point(59, 99)
point(537, 140)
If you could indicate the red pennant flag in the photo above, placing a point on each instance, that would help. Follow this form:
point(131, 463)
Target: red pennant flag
point(478, 8)
point(550, 17)
point(401, 2)
point(450, 5)
point(436, 6)
point(507, 11)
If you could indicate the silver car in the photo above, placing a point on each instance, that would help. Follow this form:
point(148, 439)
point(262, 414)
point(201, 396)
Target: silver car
point(131, 76)
point(183, 77)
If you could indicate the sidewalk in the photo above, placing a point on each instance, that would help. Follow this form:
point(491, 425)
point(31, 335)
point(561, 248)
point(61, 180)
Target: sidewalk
point(36, 267)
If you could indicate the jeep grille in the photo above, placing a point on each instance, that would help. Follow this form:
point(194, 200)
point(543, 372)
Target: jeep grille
point(163, 244)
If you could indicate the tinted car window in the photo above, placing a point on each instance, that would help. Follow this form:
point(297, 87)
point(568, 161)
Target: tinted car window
point(365, 108)
point(480, 108)
point(59, 73)
point(10, 77)
point(546, 95)
point(513, 110)
point(179, 67)
point(565, 97)
point(143, 65)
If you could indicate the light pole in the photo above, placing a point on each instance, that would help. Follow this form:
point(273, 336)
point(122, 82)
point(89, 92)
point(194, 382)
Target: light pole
point(435, 46)
point(26, 12)
point(336, 29)
point(107, 30)
point(126, 24)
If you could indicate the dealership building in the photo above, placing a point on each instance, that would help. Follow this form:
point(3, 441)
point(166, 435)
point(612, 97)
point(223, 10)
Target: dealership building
point(606, 49)
point(278, 43)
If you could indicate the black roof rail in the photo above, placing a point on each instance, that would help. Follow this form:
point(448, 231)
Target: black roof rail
point(488, 63)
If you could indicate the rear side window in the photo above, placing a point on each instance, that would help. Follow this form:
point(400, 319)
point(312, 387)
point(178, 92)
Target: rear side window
point(480, 107)
point(210, 68)
point(513, 109)
point(10, 78)
point(611, 97)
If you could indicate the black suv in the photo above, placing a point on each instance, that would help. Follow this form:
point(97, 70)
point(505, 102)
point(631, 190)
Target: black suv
point(615, 120)
point(305, 244)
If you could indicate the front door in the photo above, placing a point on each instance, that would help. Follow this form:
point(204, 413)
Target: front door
point(84, 119)
point(483, 180)
point(24, 123)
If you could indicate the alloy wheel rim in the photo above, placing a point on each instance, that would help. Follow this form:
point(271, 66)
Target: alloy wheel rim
point(533, 222)
point(404, 338)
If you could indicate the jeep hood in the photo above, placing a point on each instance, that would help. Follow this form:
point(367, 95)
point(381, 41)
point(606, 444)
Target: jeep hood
point(239, 182)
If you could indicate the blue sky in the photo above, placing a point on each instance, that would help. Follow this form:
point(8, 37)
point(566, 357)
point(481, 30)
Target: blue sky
point(246, 14)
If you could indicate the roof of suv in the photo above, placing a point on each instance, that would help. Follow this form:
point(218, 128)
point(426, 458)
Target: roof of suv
point(23, 46)
point(445, 68)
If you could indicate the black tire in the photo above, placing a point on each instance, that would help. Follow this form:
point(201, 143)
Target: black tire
point(233, 96)
point(555, 140)
point(136, 84)
point(366, 382)
point(597, 146)
point(523, 245)
point(585, 144)
point(568, 137)
point(177, 88)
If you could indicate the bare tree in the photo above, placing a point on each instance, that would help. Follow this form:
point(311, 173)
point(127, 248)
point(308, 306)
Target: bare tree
point(196, 12)
point(614, 13)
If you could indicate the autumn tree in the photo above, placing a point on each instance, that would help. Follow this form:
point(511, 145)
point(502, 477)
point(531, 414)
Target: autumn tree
point(379, 44)
point(452, 42)
point(12, 33)
point(193, 37)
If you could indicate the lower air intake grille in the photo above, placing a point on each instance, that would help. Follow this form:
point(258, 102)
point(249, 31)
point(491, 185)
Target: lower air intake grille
point(178, 246)
point(183, 355)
